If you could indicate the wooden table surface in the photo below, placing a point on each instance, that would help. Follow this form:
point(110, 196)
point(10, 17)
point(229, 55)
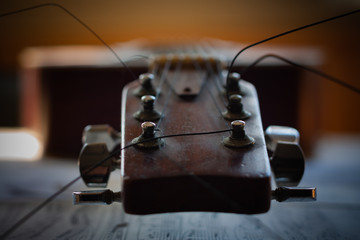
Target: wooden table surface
point(334, 170)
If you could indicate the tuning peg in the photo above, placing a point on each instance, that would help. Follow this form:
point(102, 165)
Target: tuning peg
point(287, 160)
point(91, 155)
point(288, 164)
point(294, 194)
point(234, 84)
point(275, 134)
point(147, 113)
point(235, 109)
point(146, 87)
point(238, 137)
point(97, 197)
point(101, 134)
point(98, 141)
point(148, 139)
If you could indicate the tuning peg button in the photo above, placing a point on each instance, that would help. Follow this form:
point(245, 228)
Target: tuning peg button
point(97, 197)
point(294, 194)
point(92, 171)
point(288, 164)
point(275, 134)
point(287, 160)
point(101, 134)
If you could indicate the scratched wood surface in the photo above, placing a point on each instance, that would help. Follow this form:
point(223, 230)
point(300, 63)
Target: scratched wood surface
point(177, 176)
point(336, 214)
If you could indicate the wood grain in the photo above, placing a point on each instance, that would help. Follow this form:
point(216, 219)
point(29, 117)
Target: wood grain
point(196, 173)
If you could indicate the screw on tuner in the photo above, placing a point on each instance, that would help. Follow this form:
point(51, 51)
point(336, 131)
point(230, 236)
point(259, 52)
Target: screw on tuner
point(214, 172)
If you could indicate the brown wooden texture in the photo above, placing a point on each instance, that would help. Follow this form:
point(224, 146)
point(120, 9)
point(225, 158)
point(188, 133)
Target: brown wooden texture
point(194, 173)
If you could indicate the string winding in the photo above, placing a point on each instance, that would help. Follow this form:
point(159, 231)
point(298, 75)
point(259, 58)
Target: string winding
point(116, 152)
point(313, 70)
point(111, 155)
point(280, 35)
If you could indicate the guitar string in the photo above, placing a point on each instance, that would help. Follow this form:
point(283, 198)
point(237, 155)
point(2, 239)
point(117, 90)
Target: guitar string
point(208, 69)
point(136, 58)
point(163, 76)
point(219, 79)
point(169, 92)
point(25, 218)
point(50, 199)
point(211, 188)
point(216, 76)
point(37, 6)
point(216, 105)
point(310, 69)
point(216, 79)
point(79, 21)
point(231, 65)
point(216, 192)
point(207, 185)
point(164, 72)
point(280, 35)
point(173, 80)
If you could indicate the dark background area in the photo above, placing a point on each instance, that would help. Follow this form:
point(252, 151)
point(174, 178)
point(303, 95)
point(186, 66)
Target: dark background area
point(324, 107)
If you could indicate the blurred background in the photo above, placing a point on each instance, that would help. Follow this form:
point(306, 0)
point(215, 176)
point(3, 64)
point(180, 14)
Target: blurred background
point(325, 107)
point(57, 91)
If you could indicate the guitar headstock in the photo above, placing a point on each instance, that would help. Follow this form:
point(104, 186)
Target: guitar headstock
point(194, 173)
point(174, 164)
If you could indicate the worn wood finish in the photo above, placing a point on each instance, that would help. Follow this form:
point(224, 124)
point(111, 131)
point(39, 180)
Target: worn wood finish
point(194, 173)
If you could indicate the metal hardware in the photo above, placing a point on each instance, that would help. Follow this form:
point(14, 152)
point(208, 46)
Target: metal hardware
point(238, 137)
point(98, 141)
point(145, 139)
point(234, 84)
point(294, 194)
point(188, 83)
point(96, 197)
point(146, 87)
point(189, 61)
point(287, 160)
point(288, 164)
point(275, 134)
point(235, 109)
point(101, 134)
point(90, 155)
point(148, 113)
